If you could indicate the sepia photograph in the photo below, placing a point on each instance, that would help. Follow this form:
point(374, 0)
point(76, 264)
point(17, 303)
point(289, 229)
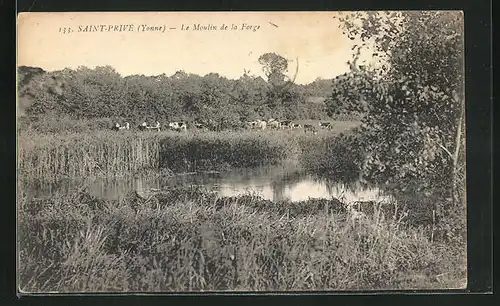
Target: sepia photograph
point(173, 152)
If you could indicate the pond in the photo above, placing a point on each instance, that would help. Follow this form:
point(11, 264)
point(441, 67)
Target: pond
point(272, 183)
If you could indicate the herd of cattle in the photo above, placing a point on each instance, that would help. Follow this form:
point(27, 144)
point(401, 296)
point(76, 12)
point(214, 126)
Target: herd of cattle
point(257, 124)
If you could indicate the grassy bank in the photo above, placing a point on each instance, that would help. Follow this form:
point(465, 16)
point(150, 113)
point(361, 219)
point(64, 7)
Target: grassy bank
point(184, 240)
point(65, 124)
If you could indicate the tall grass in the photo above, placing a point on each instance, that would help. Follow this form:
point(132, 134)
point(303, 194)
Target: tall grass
point(50, 157)
point(212, 150)
point(53, 156)
point(332, 156)
point(190, 240)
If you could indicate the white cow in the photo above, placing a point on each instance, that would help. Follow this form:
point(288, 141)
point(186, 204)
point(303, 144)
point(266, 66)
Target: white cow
point(144, 126)
point(257, 124)
point(260, 124)
point(274, 124)
point(155, 127)
point(125, 127)
point(118, 127)
point(178, 126)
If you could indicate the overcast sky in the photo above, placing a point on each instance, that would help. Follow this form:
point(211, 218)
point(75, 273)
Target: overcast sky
point(312, 37)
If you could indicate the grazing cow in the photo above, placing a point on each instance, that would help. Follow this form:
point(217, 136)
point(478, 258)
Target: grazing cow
point(118, 127)
point(144, 126)
point(296, 126)
point(250, 124)
point(274, 124)
point(155, 127)
point(125, 127)
point(257, 124)
point(178, 126)
point(260, 124)
point(310, 128)
point(327, 125)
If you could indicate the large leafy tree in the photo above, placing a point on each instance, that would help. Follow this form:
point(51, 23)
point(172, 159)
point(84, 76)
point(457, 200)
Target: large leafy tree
point(275, 67)
point(413, 102)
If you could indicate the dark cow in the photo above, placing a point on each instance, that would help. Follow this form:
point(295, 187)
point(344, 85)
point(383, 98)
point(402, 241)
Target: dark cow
point(310, 128)
point(118, 127)
point(257, 124)
point(326, 125)
point(144, 126)
point(274, 124)
point(178, 126)
point(286, 124)
point(155, 127)
point(250, 124)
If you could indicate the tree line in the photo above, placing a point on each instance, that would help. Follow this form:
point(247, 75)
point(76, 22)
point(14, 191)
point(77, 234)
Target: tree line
point(86, 93)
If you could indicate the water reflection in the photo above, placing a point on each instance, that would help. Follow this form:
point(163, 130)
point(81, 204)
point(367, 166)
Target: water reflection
point(271, 183)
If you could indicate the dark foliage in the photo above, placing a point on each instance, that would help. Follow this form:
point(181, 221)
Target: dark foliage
point(212, 99)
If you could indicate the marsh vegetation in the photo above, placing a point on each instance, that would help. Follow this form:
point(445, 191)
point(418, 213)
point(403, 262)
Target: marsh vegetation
point(391, 215)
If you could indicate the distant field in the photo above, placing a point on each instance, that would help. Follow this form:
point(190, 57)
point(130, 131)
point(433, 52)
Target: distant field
point(338, 126)
point(64, 125)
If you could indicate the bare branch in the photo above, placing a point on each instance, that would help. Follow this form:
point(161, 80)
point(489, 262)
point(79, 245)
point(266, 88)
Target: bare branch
point(446, 150)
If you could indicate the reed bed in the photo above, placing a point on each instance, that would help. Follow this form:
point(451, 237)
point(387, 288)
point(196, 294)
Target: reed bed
point(51, 157)
point(55, 156)
point(332, 156)
point(192, 240)
point(224, 150)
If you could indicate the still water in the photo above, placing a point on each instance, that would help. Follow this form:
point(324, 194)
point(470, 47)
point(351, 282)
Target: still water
point(271, 183)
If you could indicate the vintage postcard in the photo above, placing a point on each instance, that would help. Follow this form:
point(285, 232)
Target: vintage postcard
point(165, 152)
